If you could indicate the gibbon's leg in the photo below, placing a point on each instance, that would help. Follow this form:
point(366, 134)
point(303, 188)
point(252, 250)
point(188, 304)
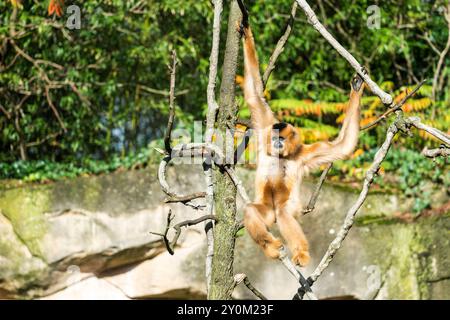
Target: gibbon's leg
point(262, 115)
point(294, 236)
point(320, 153)
point(257, 217)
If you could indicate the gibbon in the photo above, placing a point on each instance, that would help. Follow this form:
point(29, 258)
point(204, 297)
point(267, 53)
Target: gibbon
point(283, 160)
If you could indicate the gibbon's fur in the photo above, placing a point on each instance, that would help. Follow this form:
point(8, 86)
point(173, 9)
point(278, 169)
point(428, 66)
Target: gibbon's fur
point(283, 160)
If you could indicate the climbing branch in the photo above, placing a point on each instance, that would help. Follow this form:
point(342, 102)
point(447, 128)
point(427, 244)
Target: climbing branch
point(314, 21)
point(305, 287)
point(350, 216)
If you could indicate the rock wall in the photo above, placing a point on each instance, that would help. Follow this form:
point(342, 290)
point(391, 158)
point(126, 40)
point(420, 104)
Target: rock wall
point(88, 238)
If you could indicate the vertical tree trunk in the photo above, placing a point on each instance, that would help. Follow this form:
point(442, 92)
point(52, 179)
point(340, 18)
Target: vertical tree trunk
point(222, 281)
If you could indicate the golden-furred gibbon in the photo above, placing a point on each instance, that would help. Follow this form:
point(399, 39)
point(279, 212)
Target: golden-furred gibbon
point(283, 160)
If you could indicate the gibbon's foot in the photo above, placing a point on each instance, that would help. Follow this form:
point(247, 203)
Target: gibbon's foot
point(272, 248)
point(301, 257)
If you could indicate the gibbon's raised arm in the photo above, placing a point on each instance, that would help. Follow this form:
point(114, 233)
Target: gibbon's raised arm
point(261, 114)
point(343, 146)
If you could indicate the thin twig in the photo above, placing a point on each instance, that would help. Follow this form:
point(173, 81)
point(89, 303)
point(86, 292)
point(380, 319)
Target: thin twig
point(185, 199)
point(396, 107)
point(173, 70)
point(280, 45)
point(312, 201)
point(7, 114)
point(55, 111)
point(170, 245)
point(442, 56)
point(41, 141)
point(241, 277)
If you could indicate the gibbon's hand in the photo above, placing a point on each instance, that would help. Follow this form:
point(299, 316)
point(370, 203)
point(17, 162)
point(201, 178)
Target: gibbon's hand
point(240, 28)
point(357, 81)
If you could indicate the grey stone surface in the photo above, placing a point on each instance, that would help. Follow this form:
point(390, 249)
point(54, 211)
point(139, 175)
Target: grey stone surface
point(89, 238)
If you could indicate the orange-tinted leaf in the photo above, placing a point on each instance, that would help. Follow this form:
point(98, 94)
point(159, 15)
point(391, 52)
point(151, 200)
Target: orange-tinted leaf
point(357, 153)
point(51, 8)
point(56, 7)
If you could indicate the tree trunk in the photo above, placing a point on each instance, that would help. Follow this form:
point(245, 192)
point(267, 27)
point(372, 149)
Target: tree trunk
point(222, 281)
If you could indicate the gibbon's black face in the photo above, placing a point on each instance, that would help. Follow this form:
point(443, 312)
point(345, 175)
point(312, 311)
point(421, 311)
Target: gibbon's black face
point(284, 140)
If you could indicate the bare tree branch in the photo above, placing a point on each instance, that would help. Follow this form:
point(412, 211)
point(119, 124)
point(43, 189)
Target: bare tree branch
point(210, 121)
point(349, 219)
point(304, 285)
point(7, 114)
point(416, 122)
point(442, 56)
point(41, 141)
point(173, 71)
point(443, 151)
point(170, 245)
point(173, 197)
point(241, 277)
point(280, 45)
point(315, 195)
point(185, 199)
point(314, 21)
point(55, 111)
point(395, 107)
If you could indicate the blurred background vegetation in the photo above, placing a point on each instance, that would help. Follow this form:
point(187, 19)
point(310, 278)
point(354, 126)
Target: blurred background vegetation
point(94, 100)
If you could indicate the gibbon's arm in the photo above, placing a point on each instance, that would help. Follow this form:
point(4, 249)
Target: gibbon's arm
point(261, 114)
point(343, 146)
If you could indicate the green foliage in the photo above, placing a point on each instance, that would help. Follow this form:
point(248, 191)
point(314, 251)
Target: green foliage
point(405, 169)
point(45, 170)
point(104, 79)
point(115, 61)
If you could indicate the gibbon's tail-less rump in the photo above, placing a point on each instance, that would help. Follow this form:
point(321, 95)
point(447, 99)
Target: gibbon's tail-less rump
point(283, 160)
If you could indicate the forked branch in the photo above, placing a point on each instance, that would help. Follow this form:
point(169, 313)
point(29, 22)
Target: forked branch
point(170, 244)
